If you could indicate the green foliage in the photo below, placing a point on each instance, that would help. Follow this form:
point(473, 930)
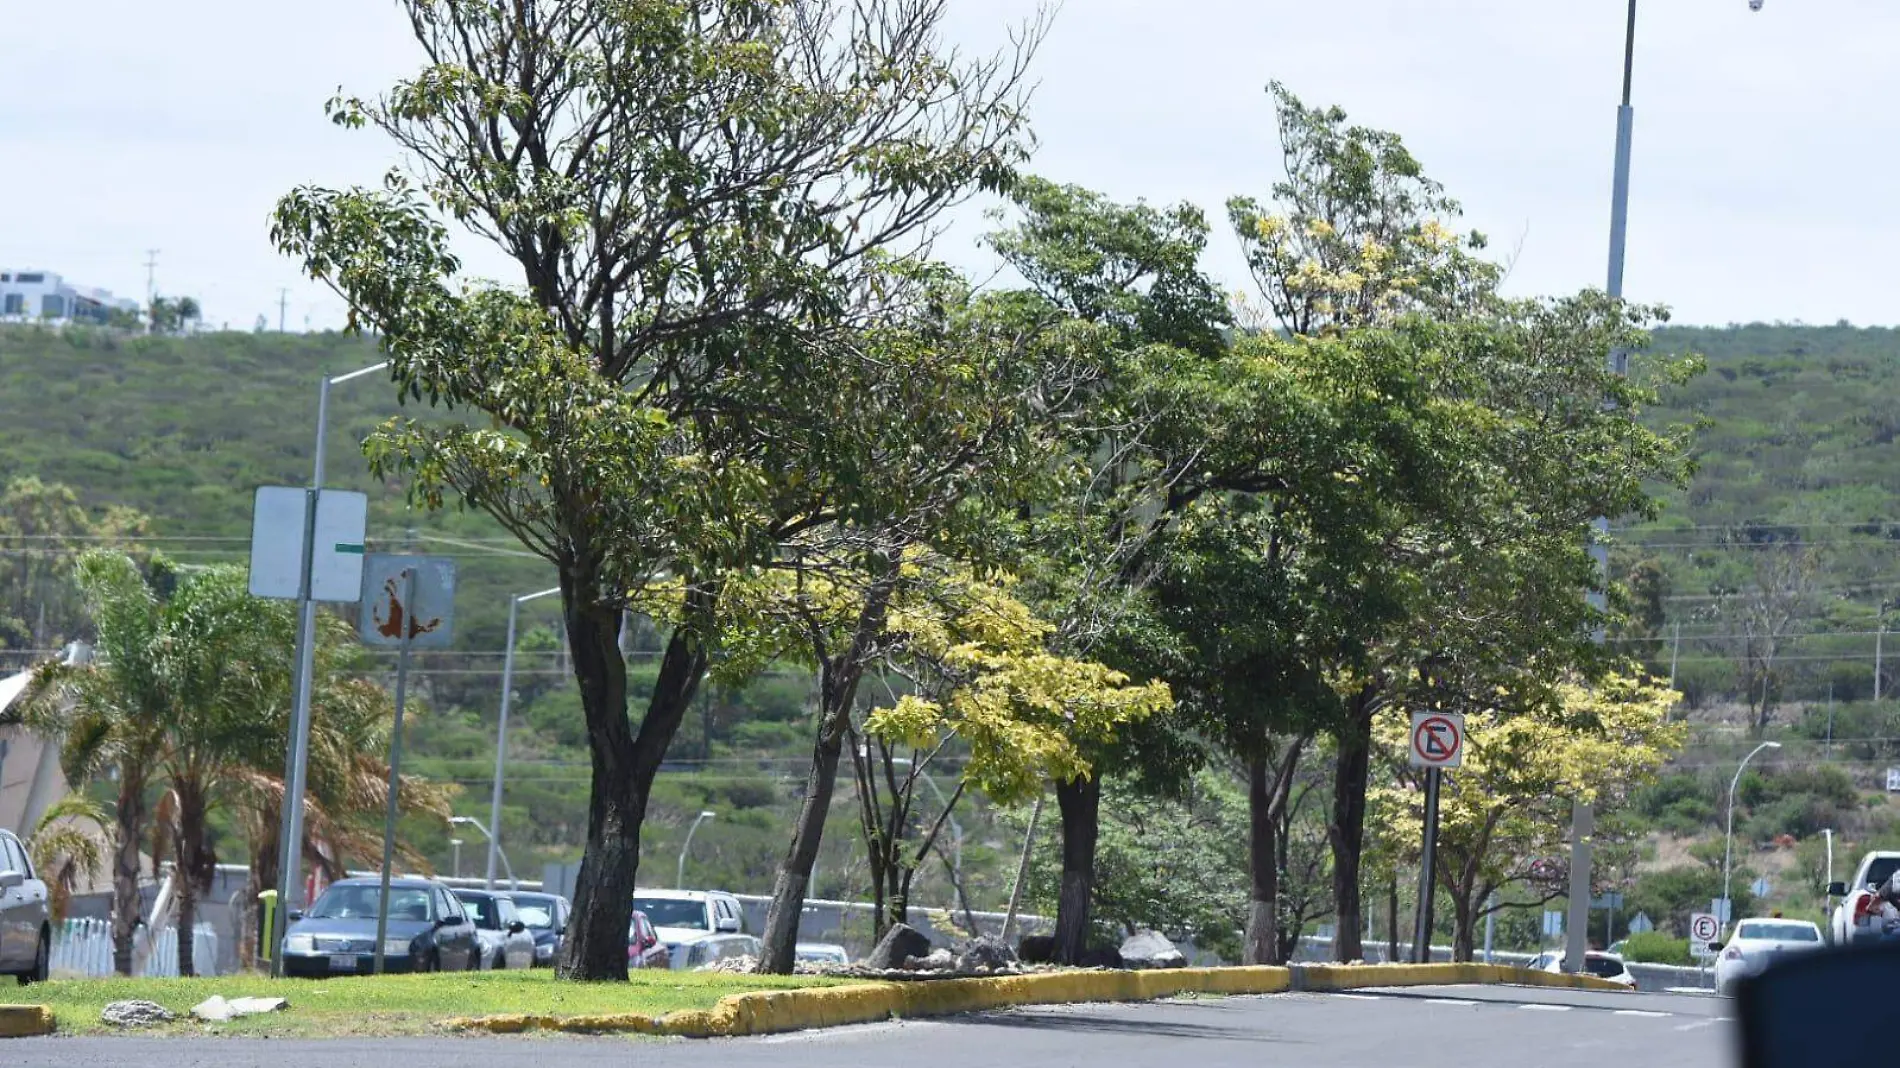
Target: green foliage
point(1670, 895)
point(1655, 947)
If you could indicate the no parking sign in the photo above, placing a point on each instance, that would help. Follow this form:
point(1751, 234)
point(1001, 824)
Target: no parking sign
point(1438, 740)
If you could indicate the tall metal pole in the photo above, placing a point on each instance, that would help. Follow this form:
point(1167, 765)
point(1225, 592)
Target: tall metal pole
point(501, 731)
point(395, 762)
point(1728, 843)
point(1880, 635)
point(679, 878)
point(1427, 890)
point(1582, 819)
point(290, 846)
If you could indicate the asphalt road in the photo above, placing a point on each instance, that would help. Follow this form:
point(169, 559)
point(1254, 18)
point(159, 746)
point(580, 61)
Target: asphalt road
point(1425, 1027)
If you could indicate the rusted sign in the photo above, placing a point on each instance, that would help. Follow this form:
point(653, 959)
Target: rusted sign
point(386, 614)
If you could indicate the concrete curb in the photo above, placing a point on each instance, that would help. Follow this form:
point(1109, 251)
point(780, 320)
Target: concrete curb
point(25, 1021)
point(774, 1011)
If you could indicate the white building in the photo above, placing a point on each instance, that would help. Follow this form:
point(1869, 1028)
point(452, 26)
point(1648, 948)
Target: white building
point(45, 295)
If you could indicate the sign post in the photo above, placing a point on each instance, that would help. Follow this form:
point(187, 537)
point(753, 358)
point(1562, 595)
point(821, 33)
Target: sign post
point(1438, 742)
point(1704, 928)
point(406, 602)
point(306, 546)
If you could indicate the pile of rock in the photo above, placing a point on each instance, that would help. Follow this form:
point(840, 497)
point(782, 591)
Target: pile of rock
point(904, 954)
point(135, 1013)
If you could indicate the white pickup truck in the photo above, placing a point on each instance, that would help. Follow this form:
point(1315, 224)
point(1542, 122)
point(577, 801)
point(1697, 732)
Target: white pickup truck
point(1853, 920)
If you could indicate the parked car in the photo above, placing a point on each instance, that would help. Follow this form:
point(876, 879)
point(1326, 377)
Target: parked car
point(428, 930)
point(504, 939)
point(1759, 942)
point(821, 953)
point(644, 948)
point(546, 916)
point(708, 950)
point(1596, 962)
point(26, 932)
point(683, 916)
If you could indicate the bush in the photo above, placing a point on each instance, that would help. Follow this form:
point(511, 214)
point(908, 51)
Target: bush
point(1655, 947)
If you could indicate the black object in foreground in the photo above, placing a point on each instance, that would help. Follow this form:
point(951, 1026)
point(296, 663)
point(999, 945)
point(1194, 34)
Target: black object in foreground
point(1830, 1008)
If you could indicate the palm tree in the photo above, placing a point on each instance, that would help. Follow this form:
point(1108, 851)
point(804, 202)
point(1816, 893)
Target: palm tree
point(64, 852)
point(110, 713)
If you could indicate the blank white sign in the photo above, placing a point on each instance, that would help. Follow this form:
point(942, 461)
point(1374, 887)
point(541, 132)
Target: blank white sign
point(336, 560)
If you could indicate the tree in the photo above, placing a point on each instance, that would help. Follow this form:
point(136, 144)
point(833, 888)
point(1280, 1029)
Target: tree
point(698, 194)
point(984, 681)
point(1779, 598)
point(64, 851)
point(1503, 814)
point(44, 526)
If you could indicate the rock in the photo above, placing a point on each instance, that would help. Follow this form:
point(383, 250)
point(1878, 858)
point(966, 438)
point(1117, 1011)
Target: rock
point(742, 965)
point(899, 944)
point(1147, 949)
point(216, 1008)
point(985, 953)
point(135, 1014)
point(1037, 949)
point(937, 960)
point(1099, 957)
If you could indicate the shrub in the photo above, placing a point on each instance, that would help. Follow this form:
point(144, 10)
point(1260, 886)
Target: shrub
point(1655, 947)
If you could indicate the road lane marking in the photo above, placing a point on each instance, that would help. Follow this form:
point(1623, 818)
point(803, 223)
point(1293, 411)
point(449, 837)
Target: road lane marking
point(1644, 1013)
point(1361, 997)
point(1546, 1008)
point(1697, 1024)
point(1448, 1001)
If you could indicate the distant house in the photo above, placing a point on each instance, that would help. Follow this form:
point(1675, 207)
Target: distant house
point(45, 295)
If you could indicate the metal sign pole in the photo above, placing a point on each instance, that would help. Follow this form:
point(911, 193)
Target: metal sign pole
point(408, 624)
point(1422, 944)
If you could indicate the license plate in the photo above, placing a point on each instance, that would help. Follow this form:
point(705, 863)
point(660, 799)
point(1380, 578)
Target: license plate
point(343, 962)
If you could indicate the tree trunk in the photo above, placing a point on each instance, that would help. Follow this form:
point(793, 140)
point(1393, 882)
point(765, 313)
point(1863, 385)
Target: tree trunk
point(1080, 802)
point(1263, 869)
point(1464, 924)
point(839, 680)
point(624, 765)
point(1392, 919)
point(125, 865)
point(191, 875)
point(1346, 831)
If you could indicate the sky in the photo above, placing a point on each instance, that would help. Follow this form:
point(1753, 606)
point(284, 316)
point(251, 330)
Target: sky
point(1765, 142)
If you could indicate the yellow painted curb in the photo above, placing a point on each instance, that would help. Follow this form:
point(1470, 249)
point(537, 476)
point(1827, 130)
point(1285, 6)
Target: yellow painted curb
point(25, 1021)
point(1357, 976)
point(772, 1011)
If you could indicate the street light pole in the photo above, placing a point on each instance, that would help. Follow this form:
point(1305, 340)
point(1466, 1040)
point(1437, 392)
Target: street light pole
point(296, 758)
point(470, 821)
point(1582, 818)
point(501, 727)
point(1728, 846)
point(456, 865)
point(679, 878)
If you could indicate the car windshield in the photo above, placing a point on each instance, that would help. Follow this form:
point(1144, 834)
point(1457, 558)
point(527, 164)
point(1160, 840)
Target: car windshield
point(539, 917)
point(482, 909)
point(666, 912)
point(359, 902)
point(1779, 932)
point(1603, 966)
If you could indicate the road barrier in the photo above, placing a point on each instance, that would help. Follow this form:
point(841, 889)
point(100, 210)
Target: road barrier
point(770, 1012)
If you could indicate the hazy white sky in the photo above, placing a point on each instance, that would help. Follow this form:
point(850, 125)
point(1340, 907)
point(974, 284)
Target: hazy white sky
point(1764, 165)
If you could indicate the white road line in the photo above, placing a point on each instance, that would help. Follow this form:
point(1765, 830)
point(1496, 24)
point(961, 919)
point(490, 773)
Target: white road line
point(1546, 1008)
point(1361, 997)
point(1697, 1024)
point(1644, 1013)
point(1448, 1001)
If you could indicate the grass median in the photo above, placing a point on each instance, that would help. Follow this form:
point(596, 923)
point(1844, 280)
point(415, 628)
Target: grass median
point(391, 1004)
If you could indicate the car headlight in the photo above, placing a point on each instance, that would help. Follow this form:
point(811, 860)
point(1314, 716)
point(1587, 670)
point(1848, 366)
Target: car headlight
point(545, 952)
point(395, 947)
point(300, 944)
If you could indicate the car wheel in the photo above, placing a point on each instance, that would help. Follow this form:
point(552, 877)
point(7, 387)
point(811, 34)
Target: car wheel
point(475, 960)
point(42, 961)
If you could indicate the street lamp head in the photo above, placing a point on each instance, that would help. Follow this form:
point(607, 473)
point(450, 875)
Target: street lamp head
point(460, 821)
point(1754, 5)
point(708, 814)
point(1771, 745)
point(455, 841)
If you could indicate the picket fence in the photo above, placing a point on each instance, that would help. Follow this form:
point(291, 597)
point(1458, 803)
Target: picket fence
point(84, 947)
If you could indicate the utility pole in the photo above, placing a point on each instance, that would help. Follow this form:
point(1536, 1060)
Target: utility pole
point(1675, 653)
point(151, 275)
point(283, 306)
point(1880, 633)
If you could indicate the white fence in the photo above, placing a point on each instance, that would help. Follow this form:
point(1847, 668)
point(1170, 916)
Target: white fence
point(84, 947)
